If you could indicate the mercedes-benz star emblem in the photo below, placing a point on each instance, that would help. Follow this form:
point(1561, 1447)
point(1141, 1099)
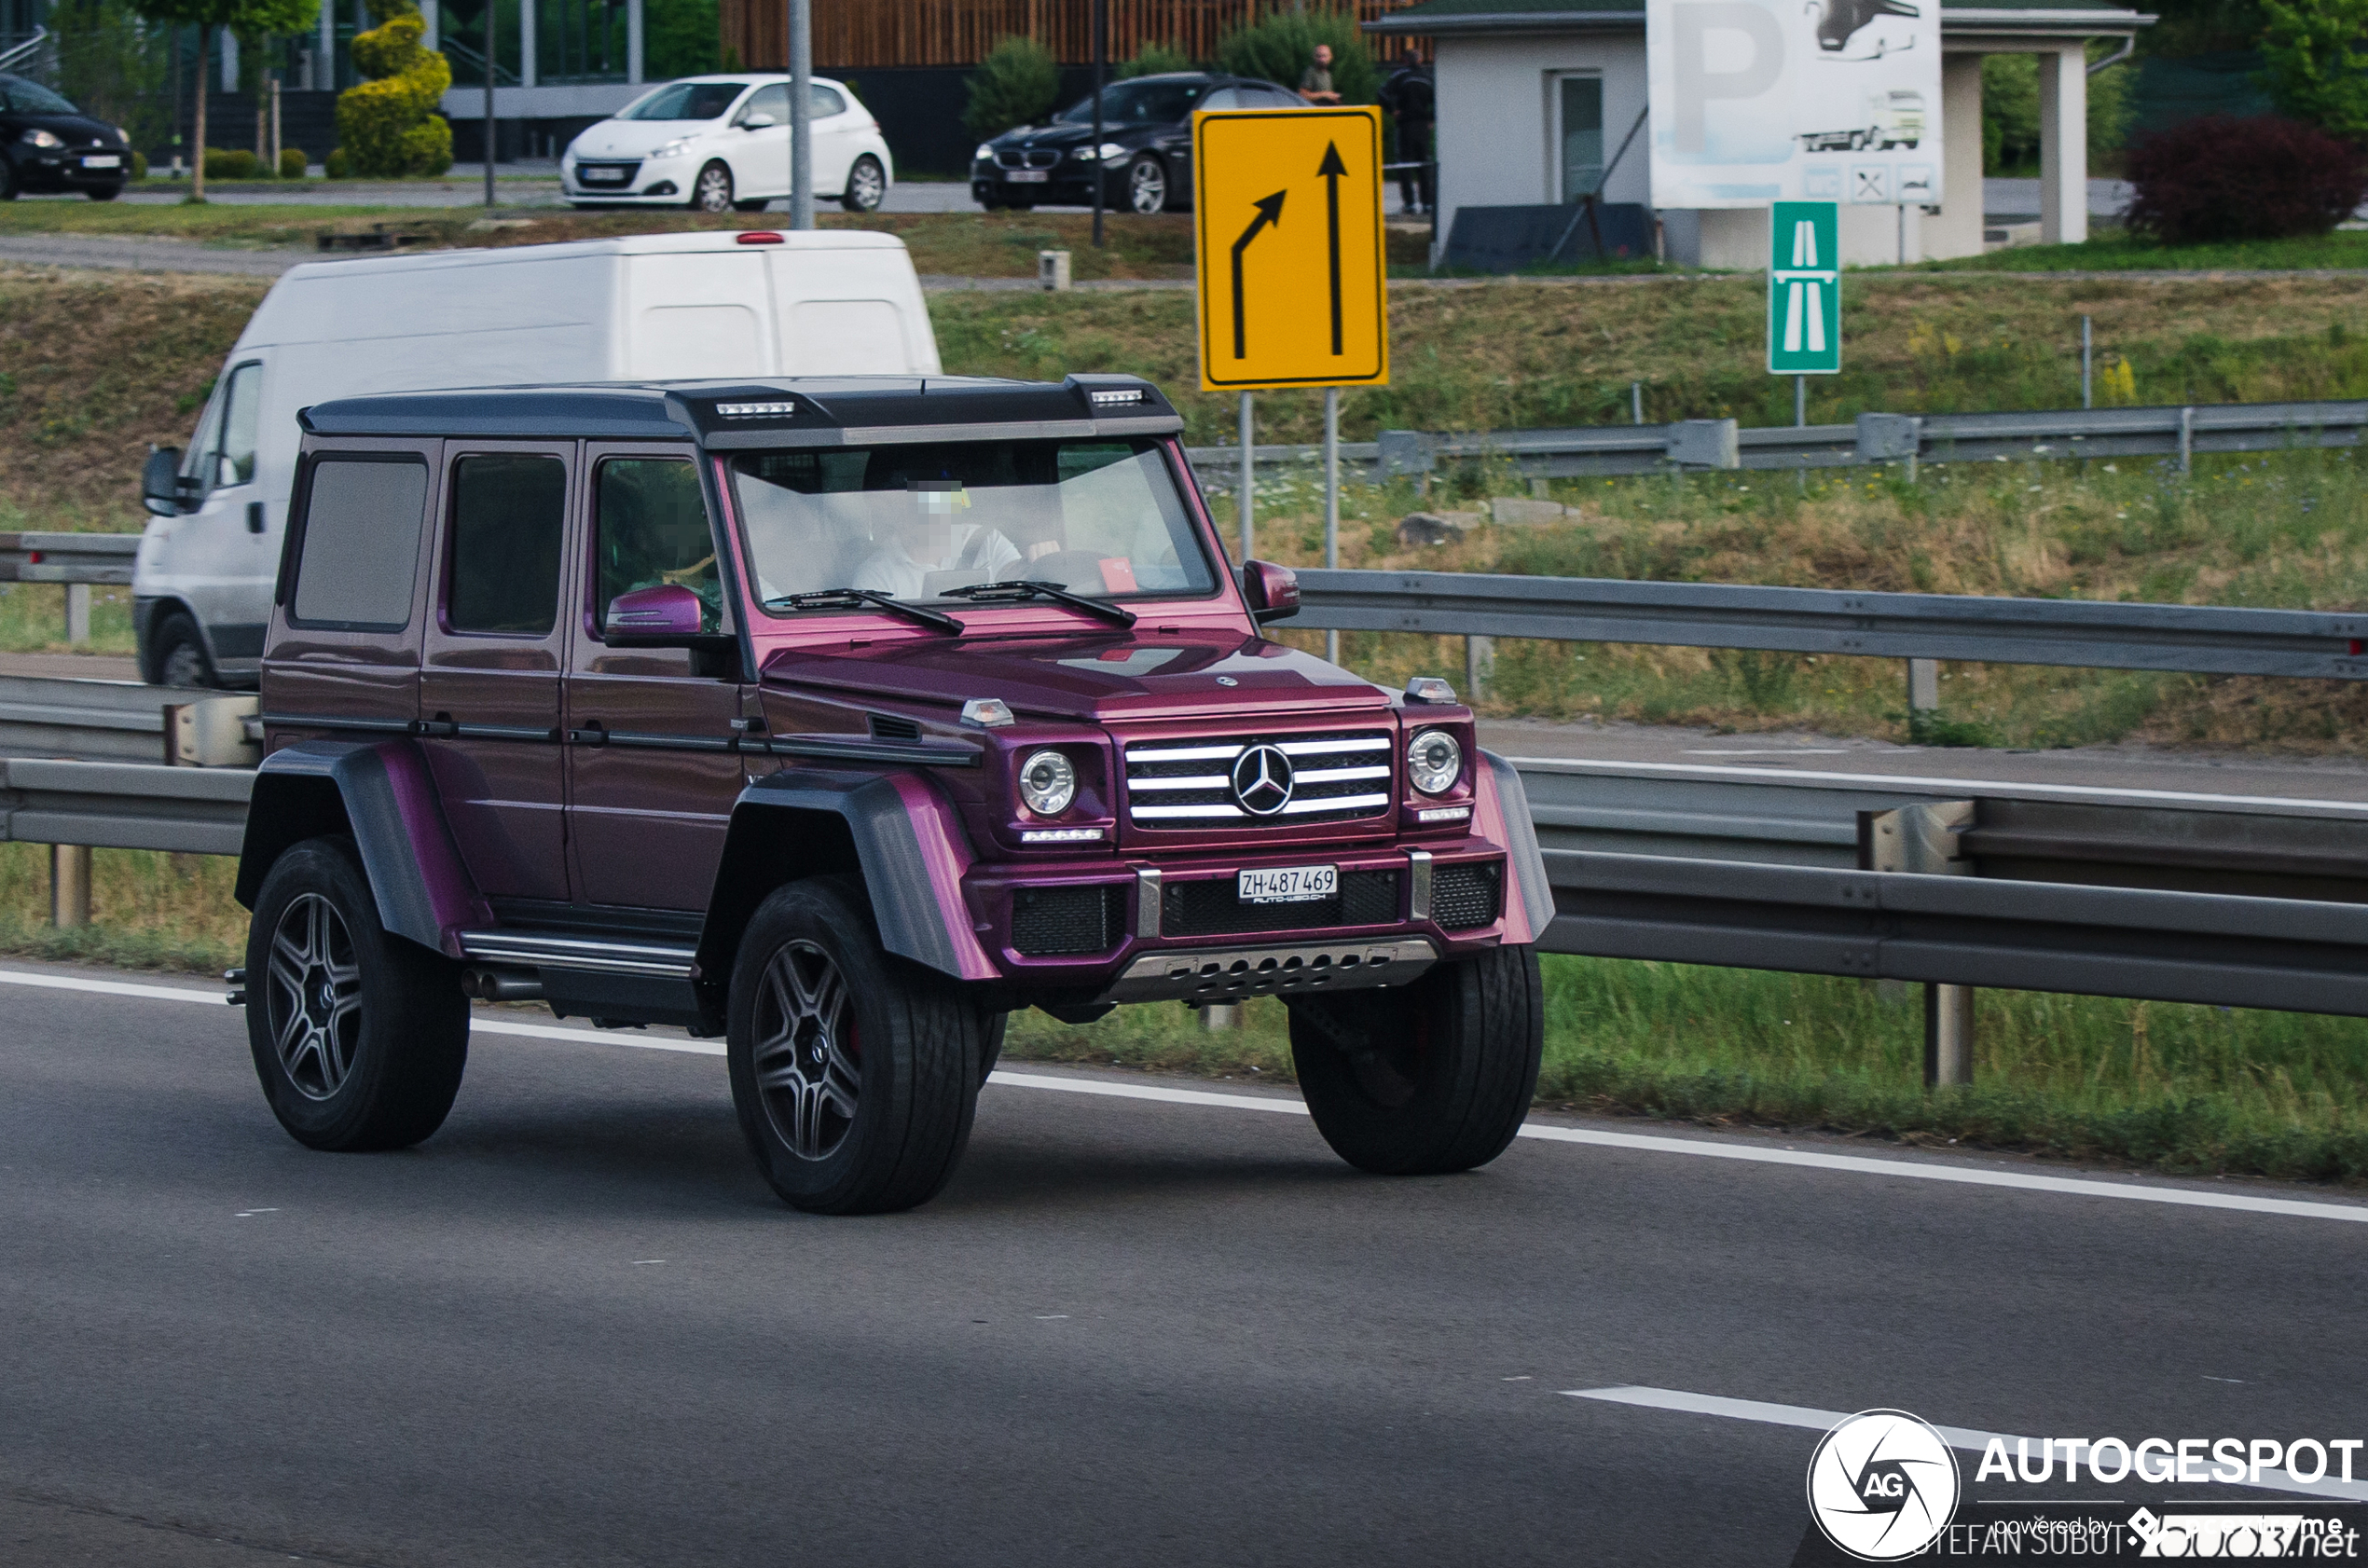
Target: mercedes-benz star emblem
point(1262, 780)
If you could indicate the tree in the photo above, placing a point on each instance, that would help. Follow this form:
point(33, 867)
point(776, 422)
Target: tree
point(2314, 65)
point(112, 65)
point(249, 19)
point(1152, 59)
point(388, 125)
point(1014, 85)
point(2010, 112)
point(1281, 45)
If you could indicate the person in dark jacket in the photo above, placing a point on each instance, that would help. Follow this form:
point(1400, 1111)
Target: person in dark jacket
point(1409, 99)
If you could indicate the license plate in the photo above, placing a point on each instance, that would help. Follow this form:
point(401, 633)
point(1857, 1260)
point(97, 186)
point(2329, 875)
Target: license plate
point(1289, 884)
point(1028, 177)
point(110, 161)
point(601, 176)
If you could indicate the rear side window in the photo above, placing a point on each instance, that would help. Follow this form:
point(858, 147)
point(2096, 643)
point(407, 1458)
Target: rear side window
point(509, 512)
point(361, 543)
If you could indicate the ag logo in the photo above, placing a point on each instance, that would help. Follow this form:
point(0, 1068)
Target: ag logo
point(1882, 1485)
point(1262, 780)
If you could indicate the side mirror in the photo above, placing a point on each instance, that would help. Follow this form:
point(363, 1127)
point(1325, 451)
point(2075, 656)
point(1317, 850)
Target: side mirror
point(1273, 591)
point(161, 482)
point(758, 122)
point(668, 615)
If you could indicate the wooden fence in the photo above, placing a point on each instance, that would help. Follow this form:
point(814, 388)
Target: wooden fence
point(854, 34)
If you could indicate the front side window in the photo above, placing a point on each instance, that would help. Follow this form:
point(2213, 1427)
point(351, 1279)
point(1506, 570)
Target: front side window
point(509, 514)
point(222, 454)
point(683, 100)
point(653, 530)
point(360, 538)
point(773, 100)
point(1096, 518)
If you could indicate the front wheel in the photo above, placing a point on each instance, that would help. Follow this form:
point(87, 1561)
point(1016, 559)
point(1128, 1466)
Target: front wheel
point(1146, 185)
point(866, 185)
point(177, 655)
point(1431, 1078)
point(855, 1073)
point(358, 1037)
point(711, 192)
point(104, 193)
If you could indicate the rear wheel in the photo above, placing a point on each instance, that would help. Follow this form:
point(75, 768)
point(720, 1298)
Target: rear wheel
point(1431, 1078)
point(358, 1037)
point(855, 1073)
point(1147, 185)
point(104, 193)
point(711, 192)
point(866, 185)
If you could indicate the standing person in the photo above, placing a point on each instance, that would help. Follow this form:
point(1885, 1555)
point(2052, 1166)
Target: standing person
point(1315, 83)
point(1410, 99)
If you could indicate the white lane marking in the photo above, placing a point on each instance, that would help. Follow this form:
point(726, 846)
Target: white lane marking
point(1956, 1437)
point(1703, 1149)
point(1769, 752)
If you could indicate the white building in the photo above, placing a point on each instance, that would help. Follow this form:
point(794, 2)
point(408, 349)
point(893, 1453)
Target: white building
point(1534, 96)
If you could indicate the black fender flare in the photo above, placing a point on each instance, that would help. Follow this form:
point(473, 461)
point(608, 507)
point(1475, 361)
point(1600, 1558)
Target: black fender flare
point(380, 792)
point(1517, 830)
point(895, 830)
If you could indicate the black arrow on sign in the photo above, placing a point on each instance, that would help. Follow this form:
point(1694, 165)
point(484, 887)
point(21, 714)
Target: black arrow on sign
point(1331, 169)
point(1269, 211)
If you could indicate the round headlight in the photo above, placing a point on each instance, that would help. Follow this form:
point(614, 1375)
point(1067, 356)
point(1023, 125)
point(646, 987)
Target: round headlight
point(1048, 783)
point(1434, 762)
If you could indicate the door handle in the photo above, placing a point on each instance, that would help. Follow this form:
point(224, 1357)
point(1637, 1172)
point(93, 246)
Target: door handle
point(597, 734)
point(254, 517)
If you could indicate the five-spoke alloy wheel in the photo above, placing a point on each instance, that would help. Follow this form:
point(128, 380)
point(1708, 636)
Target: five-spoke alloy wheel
point(854, 1072)
point(358, 1037)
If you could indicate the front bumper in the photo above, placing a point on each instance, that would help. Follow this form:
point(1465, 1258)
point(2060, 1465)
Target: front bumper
point(647, 181)
point(1070, 184)
point(66, 171)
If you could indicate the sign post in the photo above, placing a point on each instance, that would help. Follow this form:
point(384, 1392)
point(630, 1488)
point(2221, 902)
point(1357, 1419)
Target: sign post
point(1293, 288)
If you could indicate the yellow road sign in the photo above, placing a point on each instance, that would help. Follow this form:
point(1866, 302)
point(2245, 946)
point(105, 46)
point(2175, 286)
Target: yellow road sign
point(1286, 208)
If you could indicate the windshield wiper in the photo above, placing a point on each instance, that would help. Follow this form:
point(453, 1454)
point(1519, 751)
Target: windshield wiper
point(979, 592)
point(851, 598)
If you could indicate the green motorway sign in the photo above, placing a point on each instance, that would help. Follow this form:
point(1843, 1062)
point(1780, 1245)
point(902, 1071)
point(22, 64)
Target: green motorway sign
point(1804, 289)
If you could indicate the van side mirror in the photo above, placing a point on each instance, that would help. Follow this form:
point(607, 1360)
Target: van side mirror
point(1271, 590)
point(758, 122)
point(161, 482)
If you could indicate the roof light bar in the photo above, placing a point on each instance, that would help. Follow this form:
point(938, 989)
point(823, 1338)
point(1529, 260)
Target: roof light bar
point(1107, 397)
point(780, 410)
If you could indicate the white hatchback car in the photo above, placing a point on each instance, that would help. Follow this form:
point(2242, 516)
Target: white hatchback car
point(715, 143)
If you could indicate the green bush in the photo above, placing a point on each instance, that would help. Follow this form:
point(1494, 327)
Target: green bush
point(293, 163)
point(683, 38)
point(138, 165)
point(231, 163)
point(1014, 85)
point(386, 126)
point(2010, 112)
point(337, 166)
point(2312, 62)
point(1282, 45)
point(1154, 60)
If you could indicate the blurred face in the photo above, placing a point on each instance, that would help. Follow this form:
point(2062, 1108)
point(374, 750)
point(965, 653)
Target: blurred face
point(1322, 54)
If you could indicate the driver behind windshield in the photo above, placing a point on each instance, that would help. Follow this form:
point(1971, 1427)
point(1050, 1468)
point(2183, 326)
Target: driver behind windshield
point(928, 539)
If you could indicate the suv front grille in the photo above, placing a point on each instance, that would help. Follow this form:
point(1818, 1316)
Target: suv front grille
point(1188, 782)
point(1466, 895)
point(1063, 922)
point(1211, 907)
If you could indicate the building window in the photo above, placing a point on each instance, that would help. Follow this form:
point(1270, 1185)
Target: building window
point(461, 34)
point(1579, 130)
point(579, 41)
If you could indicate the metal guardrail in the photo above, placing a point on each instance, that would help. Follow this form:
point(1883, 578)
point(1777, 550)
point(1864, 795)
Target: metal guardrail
point(92, 721)
point(2082, 633)
point(1611, 450)
point(124, 806)
point(68, 558)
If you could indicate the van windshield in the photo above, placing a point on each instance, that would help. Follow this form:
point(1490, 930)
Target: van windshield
point(916, 522)
point(687, 101)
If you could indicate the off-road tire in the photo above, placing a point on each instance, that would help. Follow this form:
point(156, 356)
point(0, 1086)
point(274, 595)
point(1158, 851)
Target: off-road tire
point(384, 1078)
point(177, 655)
point(1431, 1078)
point(810, 966)
point(712, 189)
point(866, 185)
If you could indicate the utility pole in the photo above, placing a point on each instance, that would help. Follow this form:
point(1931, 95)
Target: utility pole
point(801, 114)
point(491, 125)
point(1101, 62)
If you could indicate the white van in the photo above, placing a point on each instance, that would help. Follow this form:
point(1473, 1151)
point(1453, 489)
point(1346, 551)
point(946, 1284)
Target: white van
point(658, 307)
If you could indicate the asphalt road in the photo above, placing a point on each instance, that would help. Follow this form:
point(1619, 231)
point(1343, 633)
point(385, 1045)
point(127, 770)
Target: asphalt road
point(574, 1329)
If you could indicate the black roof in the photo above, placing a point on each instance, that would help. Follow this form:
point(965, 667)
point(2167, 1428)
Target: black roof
point(787, 411)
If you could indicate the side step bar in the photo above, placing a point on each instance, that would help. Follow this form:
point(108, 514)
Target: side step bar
point(589, 955)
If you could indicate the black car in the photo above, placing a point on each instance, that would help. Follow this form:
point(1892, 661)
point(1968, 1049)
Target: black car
point(1144, 156)
point(46, 144)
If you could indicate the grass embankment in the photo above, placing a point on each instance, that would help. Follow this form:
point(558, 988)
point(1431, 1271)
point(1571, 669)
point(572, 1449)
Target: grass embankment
point(2181, 1088)
point(2118, 250)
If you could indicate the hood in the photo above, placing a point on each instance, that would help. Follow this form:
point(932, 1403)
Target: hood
point(1057, 135)
point(1100, 679)
point(634, 138)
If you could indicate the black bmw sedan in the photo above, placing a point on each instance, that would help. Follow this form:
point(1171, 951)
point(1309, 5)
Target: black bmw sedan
point(46, 144)
point(1144, 158)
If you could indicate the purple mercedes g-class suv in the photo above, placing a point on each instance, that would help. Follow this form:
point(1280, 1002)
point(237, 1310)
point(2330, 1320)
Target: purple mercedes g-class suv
point(840, 718)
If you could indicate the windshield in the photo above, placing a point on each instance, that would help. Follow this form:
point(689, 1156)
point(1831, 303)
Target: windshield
point(1101, 518)
point(1125, 104)
point(23, 97)
point(687, 101)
